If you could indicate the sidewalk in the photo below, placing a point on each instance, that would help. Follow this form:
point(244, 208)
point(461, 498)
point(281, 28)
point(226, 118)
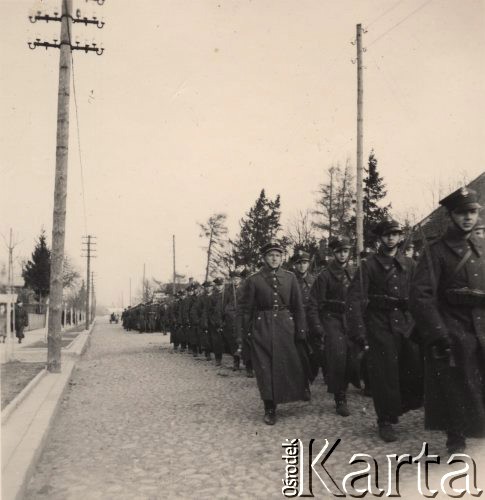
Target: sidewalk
point(27, 352)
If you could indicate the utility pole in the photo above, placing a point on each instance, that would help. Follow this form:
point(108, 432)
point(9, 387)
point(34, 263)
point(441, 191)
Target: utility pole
point(144, 285)
point(130, 292)
point(174, 272)
point(88, 249)
point(54, 334)
point(360, 139)
point(93, 298)
point(10, 344)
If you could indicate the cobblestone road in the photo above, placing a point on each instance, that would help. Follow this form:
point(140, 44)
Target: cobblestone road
point(139, 422)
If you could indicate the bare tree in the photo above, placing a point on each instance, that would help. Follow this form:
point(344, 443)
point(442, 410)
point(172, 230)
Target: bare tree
point(215, 231)
point(300, 232)
point(335, 200)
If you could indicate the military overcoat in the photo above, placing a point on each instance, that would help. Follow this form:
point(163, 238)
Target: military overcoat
point(274, 307)
point(327, 324)
point(377, 313)
point(454, 386)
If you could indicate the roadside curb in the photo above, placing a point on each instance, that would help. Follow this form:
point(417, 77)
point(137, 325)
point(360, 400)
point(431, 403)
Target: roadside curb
point(24, 436)
point(17, 400)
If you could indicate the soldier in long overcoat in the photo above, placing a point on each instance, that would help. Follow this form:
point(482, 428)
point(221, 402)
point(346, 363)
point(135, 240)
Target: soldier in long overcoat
point(274, 306)
point(194, 319)
point(378, 317)
point(448, 302)
point(204, 314)
point(245, 346)
point(216, 320)
point(233, 296)
point(305, 279)
point(326, 321)
point(184, 320)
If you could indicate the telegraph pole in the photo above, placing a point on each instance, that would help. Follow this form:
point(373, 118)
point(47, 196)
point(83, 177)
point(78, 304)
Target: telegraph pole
point(93, 298)
point(360, 139)
point(10, 344)
point(174, 272)
point(144, 285)
point(54, 335)
point(89, 250)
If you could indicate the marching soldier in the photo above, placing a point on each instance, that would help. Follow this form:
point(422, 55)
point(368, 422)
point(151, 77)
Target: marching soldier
point(274, 305)
point(448, 300)
point(183, 319)
point(245, 347)
point(326, 318)
point(232, 318)
point(301, 261)
point(194, 319)
point(216, 321)
point(204, 313)
point(378, 318)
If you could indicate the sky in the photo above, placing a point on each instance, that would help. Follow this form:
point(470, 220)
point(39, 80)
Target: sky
point(196, 105)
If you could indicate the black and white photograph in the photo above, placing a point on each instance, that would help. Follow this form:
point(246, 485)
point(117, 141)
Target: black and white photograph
point(242, 249)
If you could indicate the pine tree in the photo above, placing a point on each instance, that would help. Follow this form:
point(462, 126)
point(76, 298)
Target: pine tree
point(36, 272)
point(261, 224)
point(374, 192)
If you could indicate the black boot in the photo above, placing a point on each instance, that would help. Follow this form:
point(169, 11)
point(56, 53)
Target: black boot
point(236, 363)
point(455, 442)
point(307, 395)
point(249, 372)
point(218, 360)
point(208, 355)
point(387, 432)
point(341, 405)
point(269, 413)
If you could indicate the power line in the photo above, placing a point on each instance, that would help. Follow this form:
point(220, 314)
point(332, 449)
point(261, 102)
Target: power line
point(399, 22)
point(384, 13)
point(78, 137)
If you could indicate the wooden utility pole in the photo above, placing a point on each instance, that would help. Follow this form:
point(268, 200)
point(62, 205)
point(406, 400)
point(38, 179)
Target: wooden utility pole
point(174, 288)
point(130, 292)
point(54, 335)
point(89, 254)
point(360, 139)
point(93, 299)
point(144, 285)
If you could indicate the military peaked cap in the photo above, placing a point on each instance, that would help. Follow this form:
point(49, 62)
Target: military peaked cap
point(461, 198)
point(301, 255)
point(339, 243)
point(207, 283)
point(218, 281)
point(387, 226)
point(272, 245)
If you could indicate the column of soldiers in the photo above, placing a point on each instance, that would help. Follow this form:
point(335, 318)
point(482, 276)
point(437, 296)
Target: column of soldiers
point(412, 332)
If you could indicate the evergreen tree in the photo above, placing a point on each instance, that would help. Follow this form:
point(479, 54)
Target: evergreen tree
point(261, 224)
point(36, 272)
point(374, 192)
